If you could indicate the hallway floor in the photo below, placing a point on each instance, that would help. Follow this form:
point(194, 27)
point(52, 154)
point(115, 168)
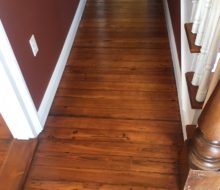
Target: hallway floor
point(114, 124)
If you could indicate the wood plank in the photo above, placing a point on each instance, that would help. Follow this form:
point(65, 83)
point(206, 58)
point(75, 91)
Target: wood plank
point(15, 168)
point(145, 126)
point(118, 73)
point(153, 43)
point(104, 176)
point(108, 148)
point(151, 113)
point(115, 122)
point(121, 86)
point(5, 140)
point(192, 90)
point(99, 135)
point(4, 147)
point(4, 131)
point(100, 56)
point(111, 104)
point(116, 95)
point(67, 185)
point(104, 162)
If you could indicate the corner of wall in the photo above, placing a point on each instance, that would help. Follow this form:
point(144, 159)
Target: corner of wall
point(49, 95)
point(176, 65)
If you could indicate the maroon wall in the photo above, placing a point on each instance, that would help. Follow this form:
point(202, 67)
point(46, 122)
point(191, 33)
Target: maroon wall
point(49, 21)
point(174, 6)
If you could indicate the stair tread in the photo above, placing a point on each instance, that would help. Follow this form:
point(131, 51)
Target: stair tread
point(192, 90)
point(191, 39)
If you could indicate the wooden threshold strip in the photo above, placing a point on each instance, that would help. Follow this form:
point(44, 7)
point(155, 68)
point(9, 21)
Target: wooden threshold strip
point(16, 165)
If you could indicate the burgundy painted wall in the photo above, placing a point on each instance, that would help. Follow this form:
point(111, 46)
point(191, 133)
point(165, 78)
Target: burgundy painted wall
point(174, 6)
point(49, 21)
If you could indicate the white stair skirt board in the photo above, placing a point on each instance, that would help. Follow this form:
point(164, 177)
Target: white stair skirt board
point(176, 64)
point(17, 107)
point(58, 71)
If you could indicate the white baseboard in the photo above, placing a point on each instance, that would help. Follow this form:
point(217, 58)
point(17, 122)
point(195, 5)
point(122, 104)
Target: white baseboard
point(49, 95)
point(176, 64)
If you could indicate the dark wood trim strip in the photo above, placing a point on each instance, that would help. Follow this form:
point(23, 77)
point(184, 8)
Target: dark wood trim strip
point(192, 90)
point(184, 167)
point(16, 165)
point(190, 130)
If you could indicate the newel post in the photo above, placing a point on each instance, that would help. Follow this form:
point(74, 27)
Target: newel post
point(204, 153)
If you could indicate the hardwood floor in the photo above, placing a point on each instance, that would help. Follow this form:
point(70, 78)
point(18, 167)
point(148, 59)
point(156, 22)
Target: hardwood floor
point(5, 140)
point(114, 124)
point(17, 163)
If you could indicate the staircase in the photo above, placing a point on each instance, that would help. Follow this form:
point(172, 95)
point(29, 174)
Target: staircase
point(200, 163)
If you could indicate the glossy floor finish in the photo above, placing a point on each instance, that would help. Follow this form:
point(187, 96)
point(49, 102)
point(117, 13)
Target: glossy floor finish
point(5, 140)
point(114, 124)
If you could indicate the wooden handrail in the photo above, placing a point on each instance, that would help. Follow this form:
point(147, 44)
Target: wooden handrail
point(205, 147)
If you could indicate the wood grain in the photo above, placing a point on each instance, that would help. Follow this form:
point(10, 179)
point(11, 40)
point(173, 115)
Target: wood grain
point(16, 165)
point(114, 123)
point(192, 92)
point(5, 140)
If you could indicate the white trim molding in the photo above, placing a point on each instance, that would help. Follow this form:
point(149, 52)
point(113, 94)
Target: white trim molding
point(16, 104)
point(176, 64)
point(49, 95)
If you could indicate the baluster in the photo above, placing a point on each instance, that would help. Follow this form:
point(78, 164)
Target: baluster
point(205, 147)
point(200, 62)
point(203, 87)
point(208, 37)
point(197, 17)
point(203, 22)
point(194, 8)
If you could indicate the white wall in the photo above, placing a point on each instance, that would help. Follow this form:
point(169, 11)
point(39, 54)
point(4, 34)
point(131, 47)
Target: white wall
point(176, 64)
point(17, 107)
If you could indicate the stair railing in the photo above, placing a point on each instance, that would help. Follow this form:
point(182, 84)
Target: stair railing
point(201, 168)
point(197, 14)
point(211, 57)
point(204, 151)
point(194, 9)
point(204, 19)
point(206, 26)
